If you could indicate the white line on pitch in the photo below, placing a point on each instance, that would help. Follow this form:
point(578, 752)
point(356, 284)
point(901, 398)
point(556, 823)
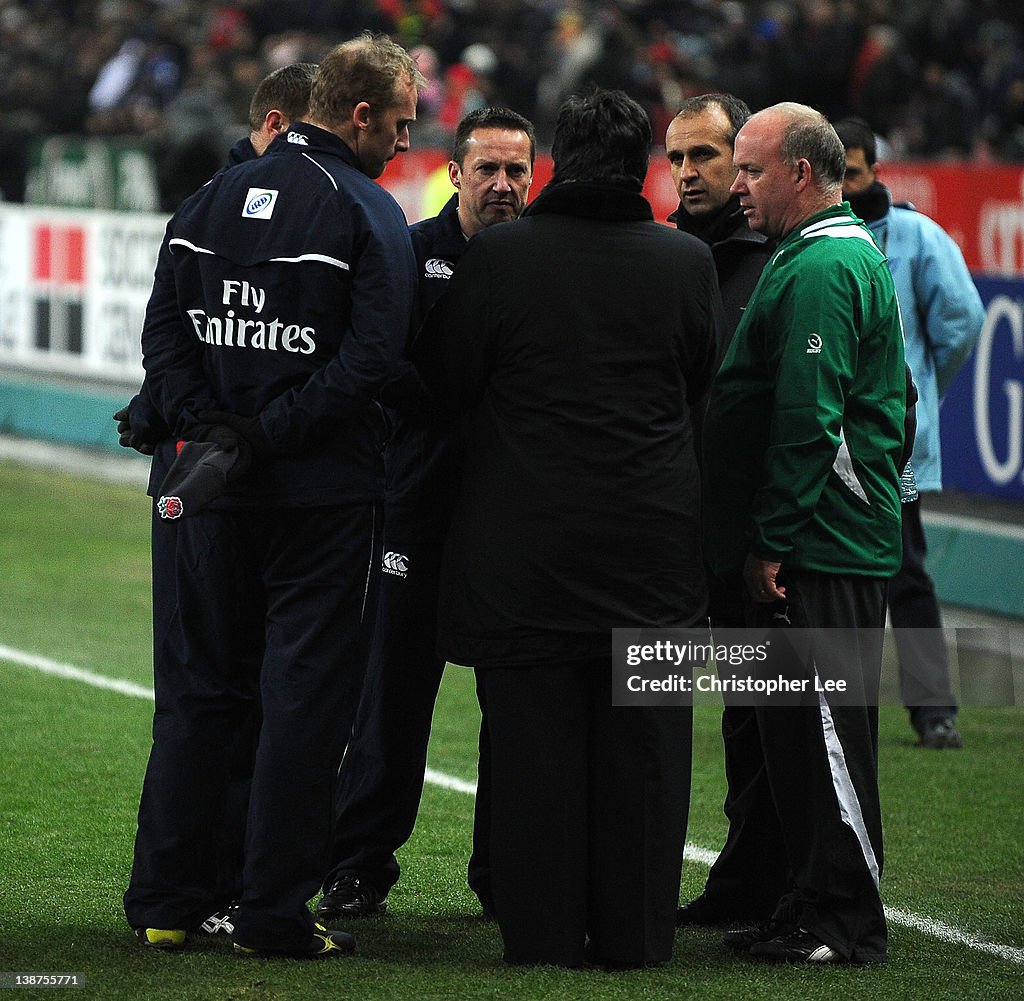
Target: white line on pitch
point(694, 853)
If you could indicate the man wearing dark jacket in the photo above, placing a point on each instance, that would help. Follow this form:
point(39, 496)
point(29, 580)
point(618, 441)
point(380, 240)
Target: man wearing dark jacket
point(698, 143)
point(382, 777)
point(281, 98)
point(290, 302)
point(575, 340)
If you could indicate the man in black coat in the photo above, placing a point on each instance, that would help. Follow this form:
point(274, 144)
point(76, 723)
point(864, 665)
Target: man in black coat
point(698, 144)
point(381, 779)
point(576, 341)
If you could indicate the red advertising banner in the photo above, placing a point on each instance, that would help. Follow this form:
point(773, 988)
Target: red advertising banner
point(980, 206)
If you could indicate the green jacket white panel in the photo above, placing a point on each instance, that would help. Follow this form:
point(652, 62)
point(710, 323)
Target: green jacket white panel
point(804, 425)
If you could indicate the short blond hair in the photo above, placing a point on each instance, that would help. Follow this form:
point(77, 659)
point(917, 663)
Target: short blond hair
point(370, 68)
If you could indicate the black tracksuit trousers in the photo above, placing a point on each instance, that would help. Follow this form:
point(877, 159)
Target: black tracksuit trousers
point(805, 826)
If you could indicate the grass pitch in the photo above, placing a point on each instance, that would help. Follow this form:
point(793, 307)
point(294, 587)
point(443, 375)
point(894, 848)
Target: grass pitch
point(74, 588)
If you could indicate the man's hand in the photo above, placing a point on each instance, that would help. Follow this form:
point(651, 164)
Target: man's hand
point(126, 437)
point(759, 576)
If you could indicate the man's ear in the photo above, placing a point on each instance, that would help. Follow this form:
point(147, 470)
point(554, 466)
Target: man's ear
point(361, 116)
point(454, 174)
point(275, 123)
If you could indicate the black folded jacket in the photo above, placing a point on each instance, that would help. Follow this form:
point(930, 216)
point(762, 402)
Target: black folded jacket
point(198, 476)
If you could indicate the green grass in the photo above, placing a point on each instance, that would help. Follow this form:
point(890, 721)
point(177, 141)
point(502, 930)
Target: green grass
point(74, 587)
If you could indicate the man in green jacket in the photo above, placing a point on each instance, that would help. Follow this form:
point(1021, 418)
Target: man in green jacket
point(802, 442)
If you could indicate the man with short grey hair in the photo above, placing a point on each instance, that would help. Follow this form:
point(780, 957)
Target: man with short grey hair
point(803, 441)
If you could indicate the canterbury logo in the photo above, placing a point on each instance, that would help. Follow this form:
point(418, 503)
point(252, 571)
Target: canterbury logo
point(437, 268)
point(298, 138)
point(395, 563)
point(814, 345)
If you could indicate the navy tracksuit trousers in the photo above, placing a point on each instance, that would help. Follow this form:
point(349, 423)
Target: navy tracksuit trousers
point(302, 582)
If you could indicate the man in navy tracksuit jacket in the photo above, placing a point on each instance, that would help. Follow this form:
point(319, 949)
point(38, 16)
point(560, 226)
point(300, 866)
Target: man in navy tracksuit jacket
point(382, 777)
point(288, 309)
point(281, 98)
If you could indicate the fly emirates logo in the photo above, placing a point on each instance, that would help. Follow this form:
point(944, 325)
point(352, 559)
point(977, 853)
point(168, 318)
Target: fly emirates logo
point(231, 330)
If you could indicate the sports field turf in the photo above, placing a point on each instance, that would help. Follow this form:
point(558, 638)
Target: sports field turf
point(74, 578)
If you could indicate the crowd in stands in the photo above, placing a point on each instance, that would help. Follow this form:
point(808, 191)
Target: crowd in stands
point(936, 78)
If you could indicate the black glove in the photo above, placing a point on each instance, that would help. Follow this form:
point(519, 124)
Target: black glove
point(126, 437)
point(248, 429)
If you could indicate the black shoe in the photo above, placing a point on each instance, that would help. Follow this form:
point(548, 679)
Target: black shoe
point(323, 945)
point(350, 897)
point(704, 911)
point(940, 733)
point(796, 946)
point(744, 939)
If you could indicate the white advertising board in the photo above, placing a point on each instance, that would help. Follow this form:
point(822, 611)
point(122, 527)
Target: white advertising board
point(73, 290)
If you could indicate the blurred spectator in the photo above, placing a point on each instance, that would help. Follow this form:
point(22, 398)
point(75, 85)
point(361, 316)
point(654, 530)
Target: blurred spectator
point(938, 78)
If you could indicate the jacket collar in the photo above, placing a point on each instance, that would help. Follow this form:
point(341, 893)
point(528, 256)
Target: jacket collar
point(587, 200)
point(728, 223)
point(241, 152)
point(450, 241)
point(302, 137)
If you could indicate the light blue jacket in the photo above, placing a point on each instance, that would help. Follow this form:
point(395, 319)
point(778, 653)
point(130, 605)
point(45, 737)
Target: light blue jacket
point(942, 318)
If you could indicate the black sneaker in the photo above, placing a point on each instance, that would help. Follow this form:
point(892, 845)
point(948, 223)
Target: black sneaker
point(350, 897)
point(743, 939)
point(941, 733)
point(796, 946)
point(704, 911)
point(324, 945)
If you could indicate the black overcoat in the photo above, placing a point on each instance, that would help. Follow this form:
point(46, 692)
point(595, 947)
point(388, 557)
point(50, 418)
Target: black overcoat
point(576, 339)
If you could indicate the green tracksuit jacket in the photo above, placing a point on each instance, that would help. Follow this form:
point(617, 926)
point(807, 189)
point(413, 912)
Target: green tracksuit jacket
point(804, 424)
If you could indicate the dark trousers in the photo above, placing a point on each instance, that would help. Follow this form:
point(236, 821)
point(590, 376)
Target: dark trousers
point(917, 622)
point(313, 574)
point(230, 634)
point(589, 807)
point(381, 779)
point(805, 822)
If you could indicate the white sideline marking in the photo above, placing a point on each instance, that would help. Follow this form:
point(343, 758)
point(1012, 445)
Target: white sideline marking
point(449, 782)
point(954, 936)
point(48, 666)
point(692, 853)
